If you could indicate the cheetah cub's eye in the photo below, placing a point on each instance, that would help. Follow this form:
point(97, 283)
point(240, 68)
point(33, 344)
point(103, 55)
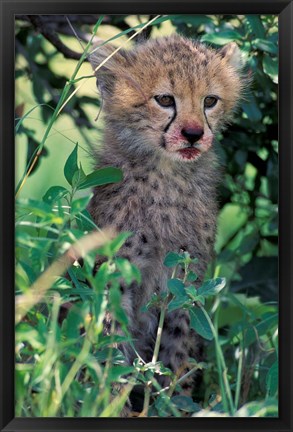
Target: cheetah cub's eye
point(210, 101)
point(165, 100)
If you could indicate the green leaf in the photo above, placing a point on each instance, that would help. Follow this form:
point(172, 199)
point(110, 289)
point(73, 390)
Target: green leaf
point(252, 110)
point(115, 354)
point(185, 403)
point(259, 277)
point(200, 324)
point(161, 405)
point(24, 270)
point(38, 88)
point(192, 292)
point(102, 277)
point(222, 37)
point(34, 45)
point(74, 321)
point(84, 221)
point(155, 301)
point(128, 271)
point(191, 277)
point(112, 247)
point(194, 20)
point(272, 379)
point(78, 178)
point(268, 323)
point(109, 340)
point(54, 193)
point(255, 26)
point(176, 287)
point(240, 158)
point(39, 208)
point(19, 73)
point(26, 333)
point(265, 45)
point(172, 259)
point(270, 67)
point(248, 243)
point(80, 204)
point(201, 299)
point(71, 166)
point(101, 177)
point(117, 372)
point(62, 284)
point(212, 287)
point(115, 298)
point(177, 303)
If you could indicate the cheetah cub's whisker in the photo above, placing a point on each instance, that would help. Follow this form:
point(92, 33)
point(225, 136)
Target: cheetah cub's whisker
point(164, 101)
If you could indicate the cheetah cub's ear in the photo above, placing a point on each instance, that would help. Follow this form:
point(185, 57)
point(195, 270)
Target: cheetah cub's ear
point(108, 64)
point(232, 54)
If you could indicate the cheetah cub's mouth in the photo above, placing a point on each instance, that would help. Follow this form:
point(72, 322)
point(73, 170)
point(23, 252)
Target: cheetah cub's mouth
point(189, 153)
point(188, 144)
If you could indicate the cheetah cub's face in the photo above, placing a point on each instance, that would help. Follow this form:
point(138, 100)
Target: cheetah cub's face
point(168, 96)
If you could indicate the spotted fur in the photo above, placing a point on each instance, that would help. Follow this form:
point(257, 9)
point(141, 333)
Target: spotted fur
point(168, 195)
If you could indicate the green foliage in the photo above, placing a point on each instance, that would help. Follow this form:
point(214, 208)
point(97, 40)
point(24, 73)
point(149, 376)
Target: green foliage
point(65, 365)
point(61, 363)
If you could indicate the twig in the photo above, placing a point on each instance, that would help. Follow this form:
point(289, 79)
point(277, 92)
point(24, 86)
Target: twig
point(52, 37)
point(74, 32)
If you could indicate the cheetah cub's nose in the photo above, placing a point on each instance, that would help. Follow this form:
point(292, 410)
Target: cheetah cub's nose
point(192, 134)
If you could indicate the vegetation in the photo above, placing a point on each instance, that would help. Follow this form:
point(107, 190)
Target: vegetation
point(65, 365)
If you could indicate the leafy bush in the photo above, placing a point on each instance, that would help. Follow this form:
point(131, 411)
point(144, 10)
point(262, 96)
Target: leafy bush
point(65, 365)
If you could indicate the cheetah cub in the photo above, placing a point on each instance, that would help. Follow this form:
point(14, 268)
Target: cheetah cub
point(164, 101)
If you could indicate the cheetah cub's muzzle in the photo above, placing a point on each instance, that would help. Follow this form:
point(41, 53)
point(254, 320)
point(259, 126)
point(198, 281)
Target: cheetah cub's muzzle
point(189, 142)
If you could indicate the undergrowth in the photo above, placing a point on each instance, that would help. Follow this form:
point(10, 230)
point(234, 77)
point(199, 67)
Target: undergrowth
point(66, 366)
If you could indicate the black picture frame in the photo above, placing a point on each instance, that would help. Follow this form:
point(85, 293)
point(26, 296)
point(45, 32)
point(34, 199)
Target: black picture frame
point(9, 8)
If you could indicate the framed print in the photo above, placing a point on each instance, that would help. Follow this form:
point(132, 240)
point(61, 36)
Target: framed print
point(146, 196)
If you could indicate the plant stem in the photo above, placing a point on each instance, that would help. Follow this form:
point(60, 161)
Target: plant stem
point(239, 377)
point(115, 406)
point(159, 334)
point(146, 402)
point(108, 364)
point(147, 394)
point(168, 401)
point(75, 367)
point(155, 356)
point(222, 363)
point(181, 379)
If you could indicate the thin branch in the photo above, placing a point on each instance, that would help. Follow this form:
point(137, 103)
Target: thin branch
point(52, 25)
point(52, 37)
point(74, 32)
point(59, 19)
